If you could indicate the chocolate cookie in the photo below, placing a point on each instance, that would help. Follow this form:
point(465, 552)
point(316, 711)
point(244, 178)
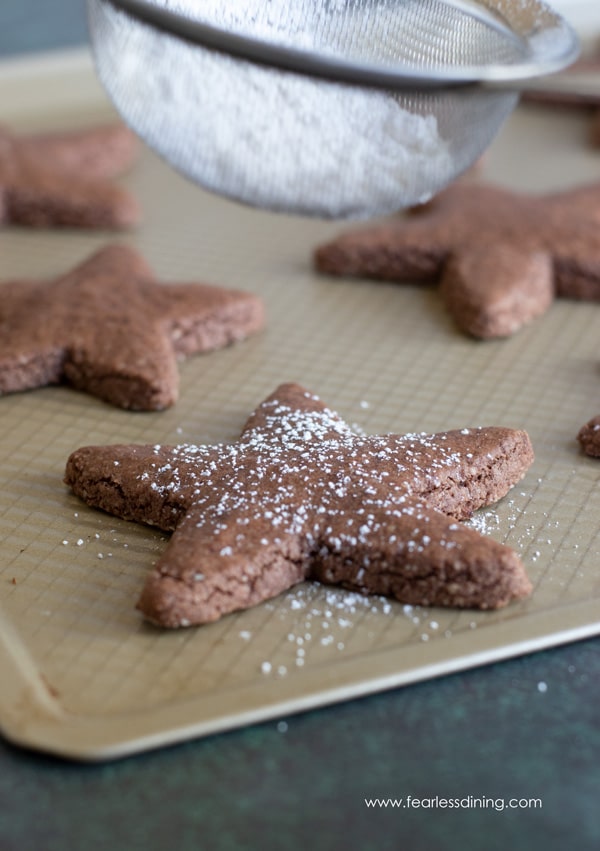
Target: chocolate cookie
point(300, 496)
point(589, 437)
point(108, 327)
point(501, 257)
point(64, 179)
point(595, 129)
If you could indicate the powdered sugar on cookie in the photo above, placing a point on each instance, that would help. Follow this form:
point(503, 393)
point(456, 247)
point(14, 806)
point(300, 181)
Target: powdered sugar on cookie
point(300, 496)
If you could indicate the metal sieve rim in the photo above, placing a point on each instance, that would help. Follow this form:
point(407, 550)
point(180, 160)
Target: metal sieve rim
point(545, 59)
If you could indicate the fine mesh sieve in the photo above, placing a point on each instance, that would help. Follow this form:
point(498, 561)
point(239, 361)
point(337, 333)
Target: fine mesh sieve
point(333, 108)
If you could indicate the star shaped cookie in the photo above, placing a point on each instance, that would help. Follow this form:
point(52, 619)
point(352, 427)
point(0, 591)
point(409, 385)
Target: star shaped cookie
point(64, 179)
point(108, 327)
point(500, 257)
point(300, 496)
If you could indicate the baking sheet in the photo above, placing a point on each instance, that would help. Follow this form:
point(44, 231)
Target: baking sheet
point(82, 675)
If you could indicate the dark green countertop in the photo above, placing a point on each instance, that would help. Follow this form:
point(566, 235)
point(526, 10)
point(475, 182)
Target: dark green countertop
point(491, 733)
point(526, 729)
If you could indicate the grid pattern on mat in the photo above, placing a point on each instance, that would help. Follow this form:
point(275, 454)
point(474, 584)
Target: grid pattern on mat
point(388, 359)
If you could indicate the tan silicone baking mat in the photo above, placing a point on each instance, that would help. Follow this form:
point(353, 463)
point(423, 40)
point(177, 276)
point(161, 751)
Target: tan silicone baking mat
point(82, 675)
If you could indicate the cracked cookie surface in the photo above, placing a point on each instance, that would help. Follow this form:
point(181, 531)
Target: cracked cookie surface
point(300, 496)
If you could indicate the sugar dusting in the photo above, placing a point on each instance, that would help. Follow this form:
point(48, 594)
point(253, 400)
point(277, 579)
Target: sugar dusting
point(321, 617)
point(269, 477)
point(300, 487)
